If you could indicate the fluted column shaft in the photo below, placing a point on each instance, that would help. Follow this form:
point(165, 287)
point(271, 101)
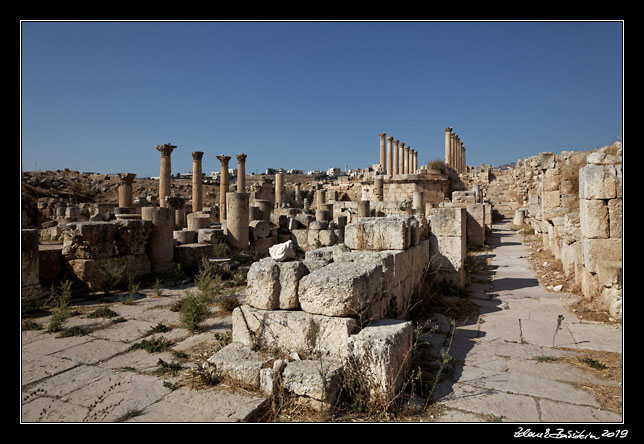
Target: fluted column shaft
point(241, 173)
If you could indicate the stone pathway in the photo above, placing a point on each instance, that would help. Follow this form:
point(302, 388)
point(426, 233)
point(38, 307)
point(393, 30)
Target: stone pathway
point(98, 378)
point(508, 365)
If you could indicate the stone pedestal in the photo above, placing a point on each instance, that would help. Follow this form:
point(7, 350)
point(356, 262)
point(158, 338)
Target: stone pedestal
point(160, 249)
point(166, 172)
point(237, 221)
point(197, 194)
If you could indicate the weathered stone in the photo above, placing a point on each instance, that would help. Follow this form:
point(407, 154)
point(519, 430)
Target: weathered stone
point(274, 285)
point(259, 229)
point(316, 379)
point(340, 289)
point(132, 236)
point(593, 216)
point(448, 221)
point(597, 182)
point(89, 240)
point(93, 272)
point(380, 355)
point(239, 362)
point(595, 250)
point(184, 236)
point(388, 233)
point(292, 331)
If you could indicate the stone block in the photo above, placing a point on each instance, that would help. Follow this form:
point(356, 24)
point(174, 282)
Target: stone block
point(184, 236)
point(210, 235)
point(132, 236)
point(380, 355)
point(547, 160)
point(593, 217)
point(381, 233)
point(596, 250)
point(259, 229)
point(190, 255)
point(301, 238)
point(239, 362)
point(341, 289)
point(615, 218)
point(93, 272)
point(551, 199)
point(551, 180)
point(89, 240)
point(198, 220)
point(448, 221)
point(292, 331)
point(274, 285)
point(316, 379)
point(598, 182)
point(475, 228)
point(327, 237)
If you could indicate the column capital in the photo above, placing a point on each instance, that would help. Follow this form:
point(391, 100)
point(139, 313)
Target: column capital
point(166, 149)
point(197, 155)
point(448, 129)
point(402, 145)
point(223, 159)
point(382, 135)
point(390, 138)
point(241, 157)
point(127, 178)
point(396, 142)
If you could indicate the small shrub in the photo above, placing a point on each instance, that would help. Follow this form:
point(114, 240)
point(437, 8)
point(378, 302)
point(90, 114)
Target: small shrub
point(30, 325)
point(165, 368)
point(193, 311)
point(103, 312)
point(61, 298)
point(152, 345)
point(113, 278)
point(219, 249)
point(229, 303)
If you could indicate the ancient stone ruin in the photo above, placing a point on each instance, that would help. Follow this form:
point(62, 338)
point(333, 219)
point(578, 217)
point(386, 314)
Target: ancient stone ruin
point(335, 262)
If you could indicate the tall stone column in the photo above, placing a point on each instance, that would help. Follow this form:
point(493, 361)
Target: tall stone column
point(298, 193)
point(464, 161)
point(166, 172)
point(401, 159)
point(415, 160)
point(395, 158)
point(125, 190)
point(223, 185)
point(383, 164)
point(280, 190)
point(389, 171)
point(241, 173)
point(237, 221)
point(448, 145)
point(412, 164)
point(197, 188)
point(452, 161)
point(406, 162)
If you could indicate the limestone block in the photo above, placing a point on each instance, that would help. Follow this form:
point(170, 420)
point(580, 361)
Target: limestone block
point(198, 220)
point(597, 182)
point(263, 286)
point(448, 221)
point(475, 228)
point(547, 160)
point(327, 237)
point(596, 250)
point(615, 217)
point(612, 299)
point(593, 217)
point(551, 199)
point(93, 272)
point(551, 180)
point(340, 289)
point(240, 363)
point(190, 255)
point(291, 272)
point(291, 331)
point(301, 238)
point(184, 236)
point(316, 379)
point(386, 233)
point(324, 253)
point(132, 236)
point(90, 240)
point(381, 354)
point(313, 238)
point(304, 219)
point(207, 235)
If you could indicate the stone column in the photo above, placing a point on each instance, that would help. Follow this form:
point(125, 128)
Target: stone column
point(415, 160)
point(237, 220)
point(266, 207)
point(280, 193)
point(166, 172)
point(389, 171)
point(417, 202)
point(298, 193)
point(448, 145)
point(401, 159)
point(223, 186)
point(412, 162)
point(125, 190)
point(383, 165)
point(378, 189)
point(395, 158)
point(241, 173)
point(464, 161)
point(160, 248)
point(320, 198)
point(452, 162)
point(406, 161)
point(197, 189)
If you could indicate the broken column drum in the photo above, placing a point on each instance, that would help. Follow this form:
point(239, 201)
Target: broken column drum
point(266, 207)
point(363, 208)
point(237, 221)
point(223, 185)
point(166, 172)
point(378, 189)
point(197, 194)
point(320, 198)
point(125, 190)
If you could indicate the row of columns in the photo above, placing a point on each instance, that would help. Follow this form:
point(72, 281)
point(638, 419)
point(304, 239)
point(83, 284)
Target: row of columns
point(396, 158)
point(454, 151)
point(197, 176)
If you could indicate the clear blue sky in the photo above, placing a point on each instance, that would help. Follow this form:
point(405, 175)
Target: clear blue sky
point(99, 96)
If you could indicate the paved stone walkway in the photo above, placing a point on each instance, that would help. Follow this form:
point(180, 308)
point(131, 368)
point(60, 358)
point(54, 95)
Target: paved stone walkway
point(98, 378)
point(501, 373)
